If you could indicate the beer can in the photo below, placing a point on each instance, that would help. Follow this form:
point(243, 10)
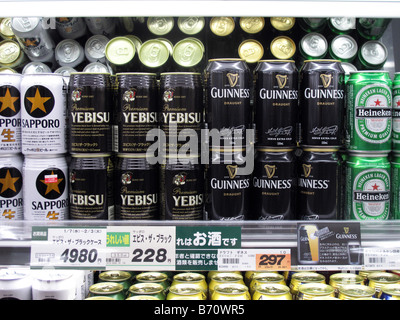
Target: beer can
point(372, 28)
point(231, 291)
point(343, 48)
point(319, 182)
point(91, 187)
point(147, 289)
point(299, 278)
point(6, 31)
point(181, 110)
point(107, 289)
point(224, 277)
point(276, 103)
point(274, 183)
point(154, 55)
point(211, 273)
point(137, 111)
point(10, 113)
point(71, 27)
point(390, 292)
point(11, 55)
point(120, 54)
point(314, 291)
point(69, 53)
point(308, 244)
point(313, 45)
point(95, 67)
point(348, 67)
point(322, 98)
point(34, 39)
point(191, 25)
point(45, 187)
point(355, 291)
point(15, 284)
point(53, 285)
point(95, 48)
point(101, 25)
point(227, 94)
point(160, 26)
point(186, 291)
point(340, 279)
point(188, 54)
point(228, 189)
point(283, 47)
point(251, 51)
point(372, 55)
point(396, 113)
point(312, 24)
point(272, 291)
point(44, 114)
point(136, 188)
point(377, 280)
point(368, 184)
point(35, 67)
point(395, 191)
point(263, 278)
point(369, 112)
point(90, 113)
point(154, 277)
point(195, 278)
point(342, 25)
point(11, 194)
point(282, 24)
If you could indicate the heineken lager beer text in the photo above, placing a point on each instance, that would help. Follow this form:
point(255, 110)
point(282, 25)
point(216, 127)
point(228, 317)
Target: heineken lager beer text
point(396, 113)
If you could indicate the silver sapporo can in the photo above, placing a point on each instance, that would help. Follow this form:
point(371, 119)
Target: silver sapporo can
point(53, 285)
point(11, 182)
point(43, 114)
point(15, 284)
point(10, 113)
point(46, 187)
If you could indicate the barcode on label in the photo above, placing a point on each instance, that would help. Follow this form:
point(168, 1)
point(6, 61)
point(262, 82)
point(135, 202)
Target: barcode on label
point(113, 260)
point(377, 260)
point(230, 260)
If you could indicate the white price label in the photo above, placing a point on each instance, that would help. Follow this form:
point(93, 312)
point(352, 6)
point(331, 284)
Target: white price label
point(382, 258)
point(68, 247)
point(141, 247)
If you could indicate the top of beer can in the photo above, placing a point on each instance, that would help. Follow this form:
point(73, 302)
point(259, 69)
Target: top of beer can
point(65, 71)
point(392, 289)
point(120, 50)
point(231, 288)
point(383, 277)
point(344, 47)
point(374, 52)
point(99, 298)
point(25, 24)
point(96, 67)
point(322, 60)
point(274, 149)
point(153, 53)
point(10, 51)
point(252, 25)
point(142, 298)
point(282, 23)
point(316, 289)
point(151, 277)
point(187, 52)
point(308, 277)
point(106, 288)
point(69, 53)
point(13, 274)
point(160, 25)
point(357, 290)
point(5, 28)
point(55, 275)
point(7, 70)
point(114, 276)
point(341, 278)
point(146, 288)
point(189, 277)
point(348, 67)
point(35, 67)
point(343, 23)
point(313, 45)
point(274, 289)
point(283, 47)
point(185, 289)
point(95, 48)
point(222, 26)
point(320, 149)
point(226, 277)
point(191, 25)
point(251, 50)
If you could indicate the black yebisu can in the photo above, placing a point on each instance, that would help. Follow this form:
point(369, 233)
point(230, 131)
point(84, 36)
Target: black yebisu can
point(181, 109)
point(136, 186)
point(137, 111)
point(274, 184)
point(182, 188)
point(322, 103)
point(228, 109)
point(276, 103)
point(91, 187)
point(90, 113)
point(228, 190)
point(319, 183)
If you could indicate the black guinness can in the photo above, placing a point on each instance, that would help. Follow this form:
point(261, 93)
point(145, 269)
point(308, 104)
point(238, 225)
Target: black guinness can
point(227, 188)
point(91, 187)
point(228, 109)
point(137, 111)
point(90, 113)
point(181, 109)
point(276, 103)
point(274, 184)
point(182, 188)
point(322, 98)
point(319, 183)
point(136, 188)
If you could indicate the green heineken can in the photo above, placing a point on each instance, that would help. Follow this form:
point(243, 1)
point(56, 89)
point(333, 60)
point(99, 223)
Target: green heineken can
point(396, 113)
point(368, 186)
point(369, 112)
point(395, 200)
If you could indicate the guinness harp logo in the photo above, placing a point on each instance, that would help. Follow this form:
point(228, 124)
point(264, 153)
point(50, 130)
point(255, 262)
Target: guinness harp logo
point(281, 79)
point(232, 171)
point(307, 170)
point(232, 78)
point(346, 230)
point(270, 170)
point(326, 79)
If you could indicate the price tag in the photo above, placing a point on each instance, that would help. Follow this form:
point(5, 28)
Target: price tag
point(68, 247)
point(141, 248)
point(277, 260)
